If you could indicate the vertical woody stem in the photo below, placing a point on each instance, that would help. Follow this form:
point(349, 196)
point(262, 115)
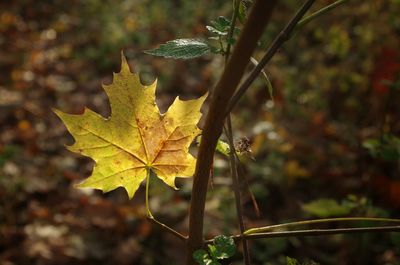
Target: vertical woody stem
point(234, 70)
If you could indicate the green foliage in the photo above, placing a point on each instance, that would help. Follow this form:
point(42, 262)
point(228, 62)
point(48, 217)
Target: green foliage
point(223, 247)
point(219, 30)
point(326, 208)
point(181, 49)
point(242, 12)
point(192, 48)
point(203, 258)
point(7, 153)
point(293, 261)
point(220, 26)
point(394, 85)
point(222, 147)
point(386, 148)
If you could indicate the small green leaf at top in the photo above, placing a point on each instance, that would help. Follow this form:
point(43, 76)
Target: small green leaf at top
point(223, 247)
point(221, 23)
point(181, 49)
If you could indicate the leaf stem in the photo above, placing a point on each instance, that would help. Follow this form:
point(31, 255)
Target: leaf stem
point(151, 217)
point(316, 221)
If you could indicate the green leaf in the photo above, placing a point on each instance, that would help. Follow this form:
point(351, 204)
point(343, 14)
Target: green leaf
point(291, 261)
point(223, 148)
point(223, 248)
point(242, 12)
point(326, 208)
point(221, 24)
point(216, 31)
point(387, 147)
point(213, 251)
point(201, 256)
point(181, 49)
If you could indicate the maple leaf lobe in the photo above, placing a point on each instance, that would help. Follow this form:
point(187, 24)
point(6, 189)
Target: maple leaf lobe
point(136, 137)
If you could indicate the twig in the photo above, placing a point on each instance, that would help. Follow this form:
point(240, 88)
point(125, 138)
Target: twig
point(231, 76)
point(315, 232)
point(232, 157)
point(151, 217)
point(318, 221)
point(320, 12)
point(252, 197)
point(236, 187)
point(167, 228)
point(319, 232)
point(276, 44)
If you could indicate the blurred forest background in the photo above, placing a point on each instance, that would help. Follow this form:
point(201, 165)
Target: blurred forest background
point(327, 145)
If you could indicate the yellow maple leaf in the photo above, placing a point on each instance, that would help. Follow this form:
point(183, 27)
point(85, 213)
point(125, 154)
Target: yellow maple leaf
point(136, 138)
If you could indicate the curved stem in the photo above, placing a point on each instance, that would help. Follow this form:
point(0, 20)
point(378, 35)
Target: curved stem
point(151, 217)
point(320, 12)
point(316, 221)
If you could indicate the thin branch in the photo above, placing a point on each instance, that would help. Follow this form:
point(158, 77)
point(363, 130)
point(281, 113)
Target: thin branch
point(282, 37)
point(236, 187)
point(151, 217)
point(320, 232)
point(231, 76)
point(317, 221)
point(168, 229)
point(229, 134)
point(315, 232)
point(244, 177)
point(320, 12)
